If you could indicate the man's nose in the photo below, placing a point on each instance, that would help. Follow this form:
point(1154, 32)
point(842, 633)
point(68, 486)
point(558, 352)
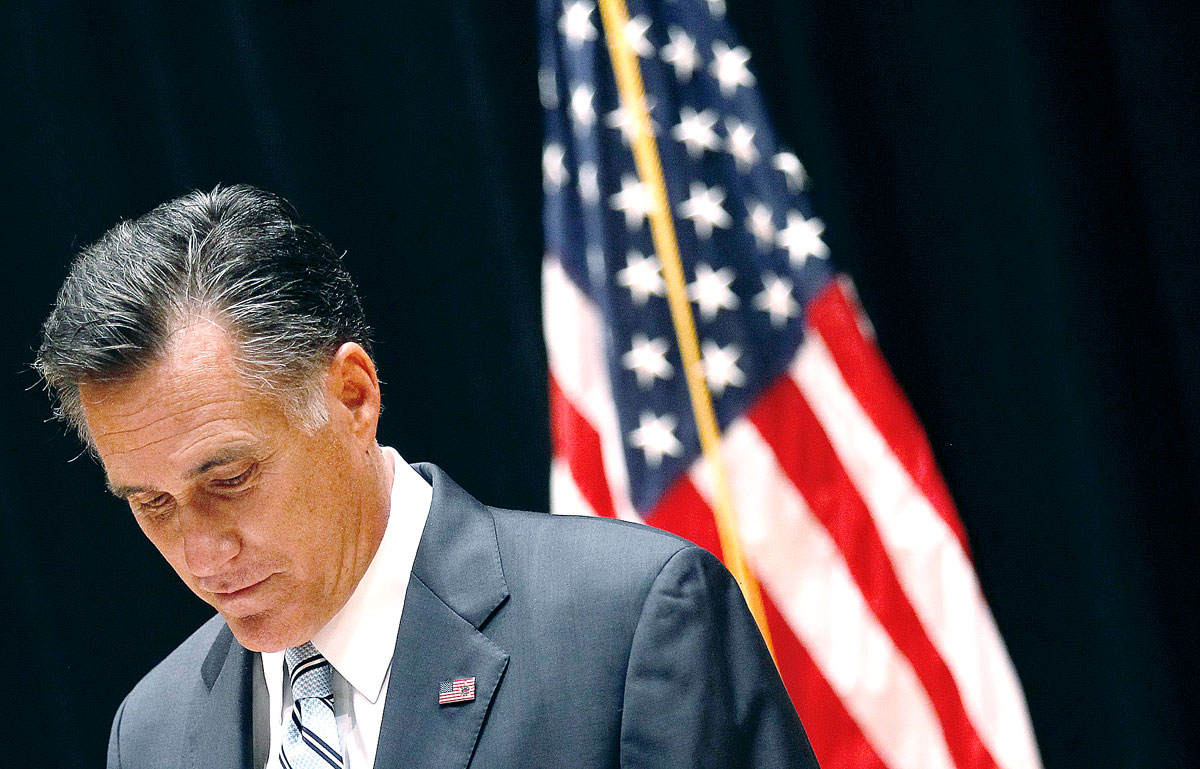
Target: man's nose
point(209, 542)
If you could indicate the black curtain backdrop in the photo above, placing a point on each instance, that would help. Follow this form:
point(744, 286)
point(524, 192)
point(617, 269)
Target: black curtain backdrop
point(1011, 185)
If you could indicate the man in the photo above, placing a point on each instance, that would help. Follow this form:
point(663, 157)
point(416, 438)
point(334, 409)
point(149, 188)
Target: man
point(214, 356)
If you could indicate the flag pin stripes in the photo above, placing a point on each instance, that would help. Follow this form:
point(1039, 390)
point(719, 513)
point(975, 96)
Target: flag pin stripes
point(458, 690)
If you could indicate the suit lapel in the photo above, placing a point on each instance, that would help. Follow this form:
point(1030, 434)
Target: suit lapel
point(458, 558)
point(219, 726)
point(435, 644)
point(456, 586)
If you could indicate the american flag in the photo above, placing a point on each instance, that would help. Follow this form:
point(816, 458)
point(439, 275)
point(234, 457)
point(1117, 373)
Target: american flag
point(458, 690)
point(878, 624)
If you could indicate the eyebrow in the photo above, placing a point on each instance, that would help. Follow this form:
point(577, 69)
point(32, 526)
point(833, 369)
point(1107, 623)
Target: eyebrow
point(124, 492)
point(223, 457)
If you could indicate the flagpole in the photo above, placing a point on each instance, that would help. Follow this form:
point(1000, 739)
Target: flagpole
point(615, 16)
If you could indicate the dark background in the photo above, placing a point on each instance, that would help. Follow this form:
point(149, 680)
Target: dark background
point(1012, 186)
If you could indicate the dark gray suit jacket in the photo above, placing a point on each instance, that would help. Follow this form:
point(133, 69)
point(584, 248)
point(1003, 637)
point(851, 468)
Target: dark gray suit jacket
point(593, 643)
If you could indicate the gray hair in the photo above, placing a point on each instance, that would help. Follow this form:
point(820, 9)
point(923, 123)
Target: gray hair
point(238, 256)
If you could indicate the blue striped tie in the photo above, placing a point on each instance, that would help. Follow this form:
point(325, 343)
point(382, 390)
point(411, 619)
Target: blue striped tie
point(311, 738)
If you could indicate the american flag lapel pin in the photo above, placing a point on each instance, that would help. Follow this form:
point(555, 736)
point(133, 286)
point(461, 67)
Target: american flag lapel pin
point(458, 690)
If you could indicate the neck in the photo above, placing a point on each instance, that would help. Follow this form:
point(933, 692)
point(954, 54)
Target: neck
point(377, 503)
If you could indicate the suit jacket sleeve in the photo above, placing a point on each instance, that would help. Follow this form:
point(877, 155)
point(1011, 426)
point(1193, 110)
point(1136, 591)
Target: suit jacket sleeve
point(701, 689)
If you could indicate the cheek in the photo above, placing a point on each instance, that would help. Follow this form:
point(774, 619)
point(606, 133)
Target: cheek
point(164, 535)
point(260, 525)
point(309, 530)
point(308, 503)
point(275, 526)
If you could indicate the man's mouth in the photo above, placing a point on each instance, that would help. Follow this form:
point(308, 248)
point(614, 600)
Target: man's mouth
point(239, 596)
point(234, 591)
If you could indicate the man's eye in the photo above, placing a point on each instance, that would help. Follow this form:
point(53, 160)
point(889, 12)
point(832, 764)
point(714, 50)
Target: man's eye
point(158, 504)
point(235, 481)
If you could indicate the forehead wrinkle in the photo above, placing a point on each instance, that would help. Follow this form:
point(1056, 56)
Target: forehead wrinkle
point(103, 394)
point(173, 415)
point(188, 446)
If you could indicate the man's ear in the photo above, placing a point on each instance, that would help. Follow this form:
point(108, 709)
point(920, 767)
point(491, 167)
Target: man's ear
point(352, 387)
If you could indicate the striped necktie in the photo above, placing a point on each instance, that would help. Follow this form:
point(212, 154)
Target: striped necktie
point(310, 740)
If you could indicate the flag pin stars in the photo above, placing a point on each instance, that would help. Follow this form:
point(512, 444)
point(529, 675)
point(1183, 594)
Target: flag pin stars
point(681, 54)
point(635, 34)
point(793, 170)
point(695, 130)
point(576, 23)
point(655, 436)
point(801, 238)
point(456, 690)
point(712, 290)
point(729, 68)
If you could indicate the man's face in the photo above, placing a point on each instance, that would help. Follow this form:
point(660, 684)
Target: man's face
point(268, 523)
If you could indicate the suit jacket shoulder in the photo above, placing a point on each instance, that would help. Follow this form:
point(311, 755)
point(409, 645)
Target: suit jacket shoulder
point(628, 646)
point(581, 556)
point(205, 678)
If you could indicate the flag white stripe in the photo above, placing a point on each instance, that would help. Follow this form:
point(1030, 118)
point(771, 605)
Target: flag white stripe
point(575, 349)
point(804, 572)
point(565, 497)
point(932, 569)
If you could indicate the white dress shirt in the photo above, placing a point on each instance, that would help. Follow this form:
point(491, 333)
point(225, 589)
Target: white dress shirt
point(359, 640)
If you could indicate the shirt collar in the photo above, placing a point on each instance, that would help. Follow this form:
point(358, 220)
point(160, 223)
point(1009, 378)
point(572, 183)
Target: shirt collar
point(360, 639)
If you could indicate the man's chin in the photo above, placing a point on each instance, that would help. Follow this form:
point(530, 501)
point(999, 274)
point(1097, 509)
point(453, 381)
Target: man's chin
point(264, 632)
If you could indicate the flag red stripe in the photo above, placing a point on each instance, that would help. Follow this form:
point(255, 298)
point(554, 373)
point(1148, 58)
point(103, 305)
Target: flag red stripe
point(786, 422)
point(578, 442)
point(682, 511)
point(868, 377)
point(835, 737)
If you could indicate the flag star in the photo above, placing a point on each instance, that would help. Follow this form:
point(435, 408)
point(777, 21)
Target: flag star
point(704, 209)
point(776, 299)
point(655, 436)
point(648, 359)
point(622, 120)
point(634, 200)
point(554, 170)
point(729, 67)
point(793, 170)
point(720, 366)
point(711, 290)
point(635, 34)
point(802, 238)
point(761, 223)
point(582, 111)
point(695, 130)
point(589, 183)
point(740, 143)
point(642, 275)
point(548, 88)
point(716, 7)
point(681, 54)
point(576, 24)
